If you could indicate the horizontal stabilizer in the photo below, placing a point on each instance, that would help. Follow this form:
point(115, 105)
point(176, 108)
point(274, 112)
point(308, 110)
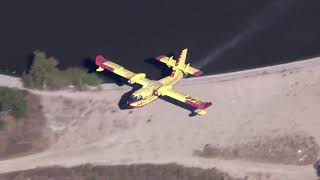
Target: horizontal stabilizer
point(169, 61)
point(180, 64)
point(193, 71)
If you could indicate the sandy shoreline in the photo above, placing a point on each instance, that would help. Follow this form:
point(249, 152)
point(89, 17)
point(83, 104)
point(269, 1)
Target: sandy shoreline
point(10, 81)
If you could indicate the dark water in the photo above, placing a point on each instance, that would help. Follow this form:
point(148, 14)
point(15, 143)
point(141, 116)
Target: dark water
point(237, 34)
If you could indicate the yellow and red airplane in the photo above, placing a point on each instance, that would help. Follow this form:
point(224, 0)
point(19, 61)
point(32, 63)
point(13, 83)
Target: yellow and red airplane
point(151, 89)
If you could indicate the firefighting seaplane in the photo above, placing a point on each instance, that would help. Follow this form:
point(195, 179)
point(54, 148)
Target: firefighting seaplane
point(152, 89)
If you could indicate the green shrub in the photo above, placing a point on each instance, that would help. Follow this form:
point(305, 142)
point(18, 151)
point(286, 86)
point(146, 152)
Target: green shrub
point(81, 79)
point(44, 74)
point(1, 124)
point(42, 71)
point(12, 101)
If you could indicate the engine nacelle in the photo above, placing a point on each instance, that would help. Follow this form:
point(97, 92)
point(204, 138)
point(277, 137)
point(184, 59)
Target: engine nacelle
point(136, 77)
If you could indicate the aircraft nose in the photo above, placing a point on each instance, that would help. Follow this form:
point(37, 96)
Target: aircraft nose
point(129, 101)
point(131, 106)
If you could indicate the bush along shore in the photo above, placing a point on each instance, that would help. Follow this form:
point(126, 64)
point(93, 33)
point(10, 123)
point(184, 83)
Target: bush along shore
point(45, 74)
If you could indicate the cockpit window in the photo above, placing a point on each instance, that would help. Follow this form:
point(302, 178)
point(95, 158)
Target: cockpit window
point(136, 98)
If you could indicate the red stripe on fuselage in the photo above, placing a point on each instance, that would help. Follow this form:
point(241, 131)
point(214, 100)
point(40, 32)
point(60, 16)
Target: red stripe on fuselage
point(172, 74)
point(131, 107)
point(177, 63)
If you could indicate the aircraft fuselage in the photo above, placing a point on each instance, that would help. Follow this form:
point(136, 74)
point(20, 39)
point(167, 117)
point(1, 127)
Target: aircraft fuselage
point(147, 94)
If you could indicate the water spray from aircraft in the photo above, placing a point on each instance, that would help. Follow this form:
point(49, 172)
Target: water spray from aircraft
point(271, 14)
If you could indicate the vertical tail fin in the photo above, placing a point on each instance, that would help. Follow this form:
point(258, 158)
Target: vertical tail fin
point(182, 59)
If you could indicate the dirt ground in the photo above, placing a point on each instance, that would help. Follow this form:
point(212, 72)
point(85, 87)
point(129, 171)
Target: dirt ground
point(295, 149)
point(27, 135)
point(120, 172)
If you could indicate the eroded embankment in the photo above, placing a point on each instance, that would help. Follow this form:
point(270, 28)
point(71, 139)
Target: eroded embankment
point(119, 172)
point(296, 149)
point(27, 135)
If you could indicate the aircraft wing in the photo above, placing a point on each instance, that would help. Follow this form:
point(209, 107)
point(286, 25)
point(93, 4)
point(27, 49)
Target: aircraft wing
point(194, 102)
point(105, 64)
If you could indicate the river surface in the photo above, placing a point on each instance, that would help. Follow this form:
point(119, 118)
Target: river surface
point(222, 36)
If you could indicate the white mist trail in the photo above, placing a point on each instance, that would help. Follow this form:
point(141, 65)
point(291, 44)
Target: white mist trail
point(271, 14)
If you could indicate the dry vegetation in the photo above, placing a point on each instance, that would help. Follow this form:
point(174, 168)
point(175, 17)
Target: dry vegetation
point(26, 135)
point(287, 149)
point(120, 172)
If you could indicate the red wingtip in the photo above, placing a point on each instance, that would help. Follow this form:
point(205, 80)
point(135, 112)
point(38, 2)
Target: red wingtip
point(198, 73)
point(199, 105)
point(160, 57)
point(204, 105)
point(207, 104)
point(100, 59)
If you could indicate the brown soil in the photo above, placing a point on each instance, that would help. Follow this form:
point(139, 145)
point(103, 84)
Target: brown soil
point(26, 135)
point(289, 149)
point(119, 172)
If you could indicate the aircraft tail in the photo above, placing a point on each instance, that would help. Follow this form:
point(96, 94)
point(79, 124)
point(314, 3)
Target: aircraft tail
point(180, 64)
point(182, 59)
